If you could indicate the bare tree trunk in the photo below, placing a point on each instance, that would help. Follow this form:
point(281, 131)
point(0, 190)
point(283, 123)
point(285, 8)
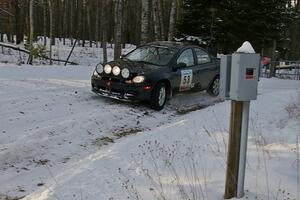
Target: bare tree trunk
point(157, 35)
point(1, 31)
point(51, 29)
point(83, 31)
point(161, 20)
point(172, 21)
point(17, 22)
point(31, 31)
point(118, 29)
point(71, 23)
point(45, 21)
point(124, 18)
point(65, 21)
point(1, 35)
point(88, 13)
point(104, 23)
point(53, 22)
point(97, 23)
point(145, 21)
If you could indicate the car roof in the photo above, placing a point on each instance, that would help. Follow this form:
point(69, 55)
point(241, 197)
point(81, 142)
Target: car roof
point(171, 45)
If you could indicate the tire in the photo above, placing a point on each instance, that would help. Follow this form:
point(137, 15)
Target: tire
point(214, 87)
point(159, 96)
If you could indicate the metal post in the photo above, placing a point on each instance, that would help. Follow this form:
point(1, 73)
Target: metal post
point(243, 149)
point(233, 149)
point(273, 63)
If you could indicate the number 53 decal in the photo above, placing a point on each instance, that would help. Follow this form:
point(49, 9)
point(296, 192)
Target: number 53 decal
point(186, 80)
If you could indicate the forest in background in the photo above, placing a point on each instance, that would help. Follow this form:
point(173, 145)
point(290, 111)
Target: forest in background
point(222, 25)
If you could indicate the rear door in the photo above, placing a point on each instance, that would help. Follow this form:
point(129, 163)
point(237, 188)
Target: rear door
point(205, 69)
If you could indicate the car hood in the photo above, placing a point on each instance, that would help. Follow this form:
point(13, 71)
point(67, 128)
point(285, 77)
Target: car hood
point(135, 67)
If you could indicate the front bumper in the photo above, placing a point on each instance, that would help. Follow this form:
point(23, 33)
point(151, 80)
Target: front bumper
point(118, 90)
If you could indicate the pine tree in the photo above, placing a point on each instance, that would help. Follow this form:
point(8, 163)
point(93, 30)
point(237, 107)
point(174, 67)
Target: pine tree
point(226, 24)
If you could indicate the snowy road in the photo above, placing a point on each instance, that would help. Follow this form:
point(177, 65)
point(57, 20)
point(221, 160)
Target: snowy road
point(59, 141)
point(49, 117)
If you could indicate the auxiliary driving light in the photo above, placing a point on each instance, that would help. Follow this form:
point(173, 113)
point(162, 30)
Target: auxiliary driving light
point(125, 73)
point(99, 68)
point(116, 71)
point(107, 69)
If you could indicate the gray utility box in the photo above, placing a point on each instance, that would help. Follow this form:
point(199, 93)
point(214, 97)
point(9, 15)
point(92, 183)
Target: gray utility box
point(225, 74)
point(244, 76)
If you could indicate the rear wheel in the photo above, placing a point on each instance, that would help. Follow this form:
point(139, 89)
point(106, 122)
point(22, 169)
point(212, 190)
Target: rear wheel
point(214, 87)
point(159, 96)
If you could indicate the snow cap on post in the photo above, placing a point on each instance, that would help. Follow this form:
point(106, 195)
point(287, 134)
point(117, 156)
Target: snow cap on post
point(246, 48)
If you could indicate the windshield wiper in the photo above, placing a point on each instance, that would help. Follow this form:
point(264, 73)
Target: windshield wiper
point(141, 61)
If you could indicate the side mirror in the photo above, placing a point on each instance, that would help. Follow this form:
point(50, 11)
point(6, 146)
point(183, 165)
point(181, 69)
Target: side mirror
point(122, 56)
point(179, 66)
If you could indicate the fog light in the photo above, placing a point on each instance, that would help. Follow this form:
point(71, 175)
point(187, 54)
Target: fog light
point(138, 79)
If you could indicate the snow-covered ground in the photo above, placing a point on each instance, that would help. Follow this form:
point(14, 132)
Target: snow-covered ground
point(87, 55)
point(60, 141)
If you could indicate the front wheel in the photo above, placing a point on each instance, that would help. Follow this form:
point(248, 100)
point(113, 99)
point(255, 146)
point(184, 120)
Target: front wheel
point(159, 96)
point(214, 87)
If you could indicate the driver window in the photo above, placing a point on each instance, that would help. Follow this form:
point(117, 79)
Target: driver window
point(187, 57)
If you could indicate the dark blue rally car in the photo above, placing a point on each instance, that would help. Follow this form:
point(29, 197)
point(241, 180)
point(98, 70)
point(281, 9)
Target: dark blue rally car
point(156, 71)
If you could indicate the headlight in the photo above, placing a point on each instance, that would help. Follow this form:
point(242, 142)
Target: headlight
point(138, 79)
point(116, 70)
point(125, 73)
point(107, 69)
point(99, 68)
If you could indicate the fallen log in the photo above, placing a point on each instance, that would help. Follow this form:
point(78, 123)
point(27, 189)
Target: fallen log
point(16, 48)
point(58, 60)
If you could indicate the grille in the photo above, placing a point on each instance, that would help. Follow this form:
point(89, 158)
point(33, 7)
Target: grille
point(113, 79)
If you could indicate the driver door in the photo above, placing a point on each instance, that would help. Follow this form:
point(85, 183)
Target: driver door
point(184, 77)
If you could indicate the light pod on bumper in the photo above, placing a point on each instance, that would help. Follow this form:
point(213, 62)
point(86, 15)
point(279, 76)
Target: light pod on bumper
point(116, 70)
point(107, 69)
point(125, 73)
point(99, 68)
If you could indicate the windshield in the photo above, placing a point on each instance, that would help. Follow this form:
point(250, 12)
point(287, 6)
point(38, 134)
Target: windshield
point(155, 55)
